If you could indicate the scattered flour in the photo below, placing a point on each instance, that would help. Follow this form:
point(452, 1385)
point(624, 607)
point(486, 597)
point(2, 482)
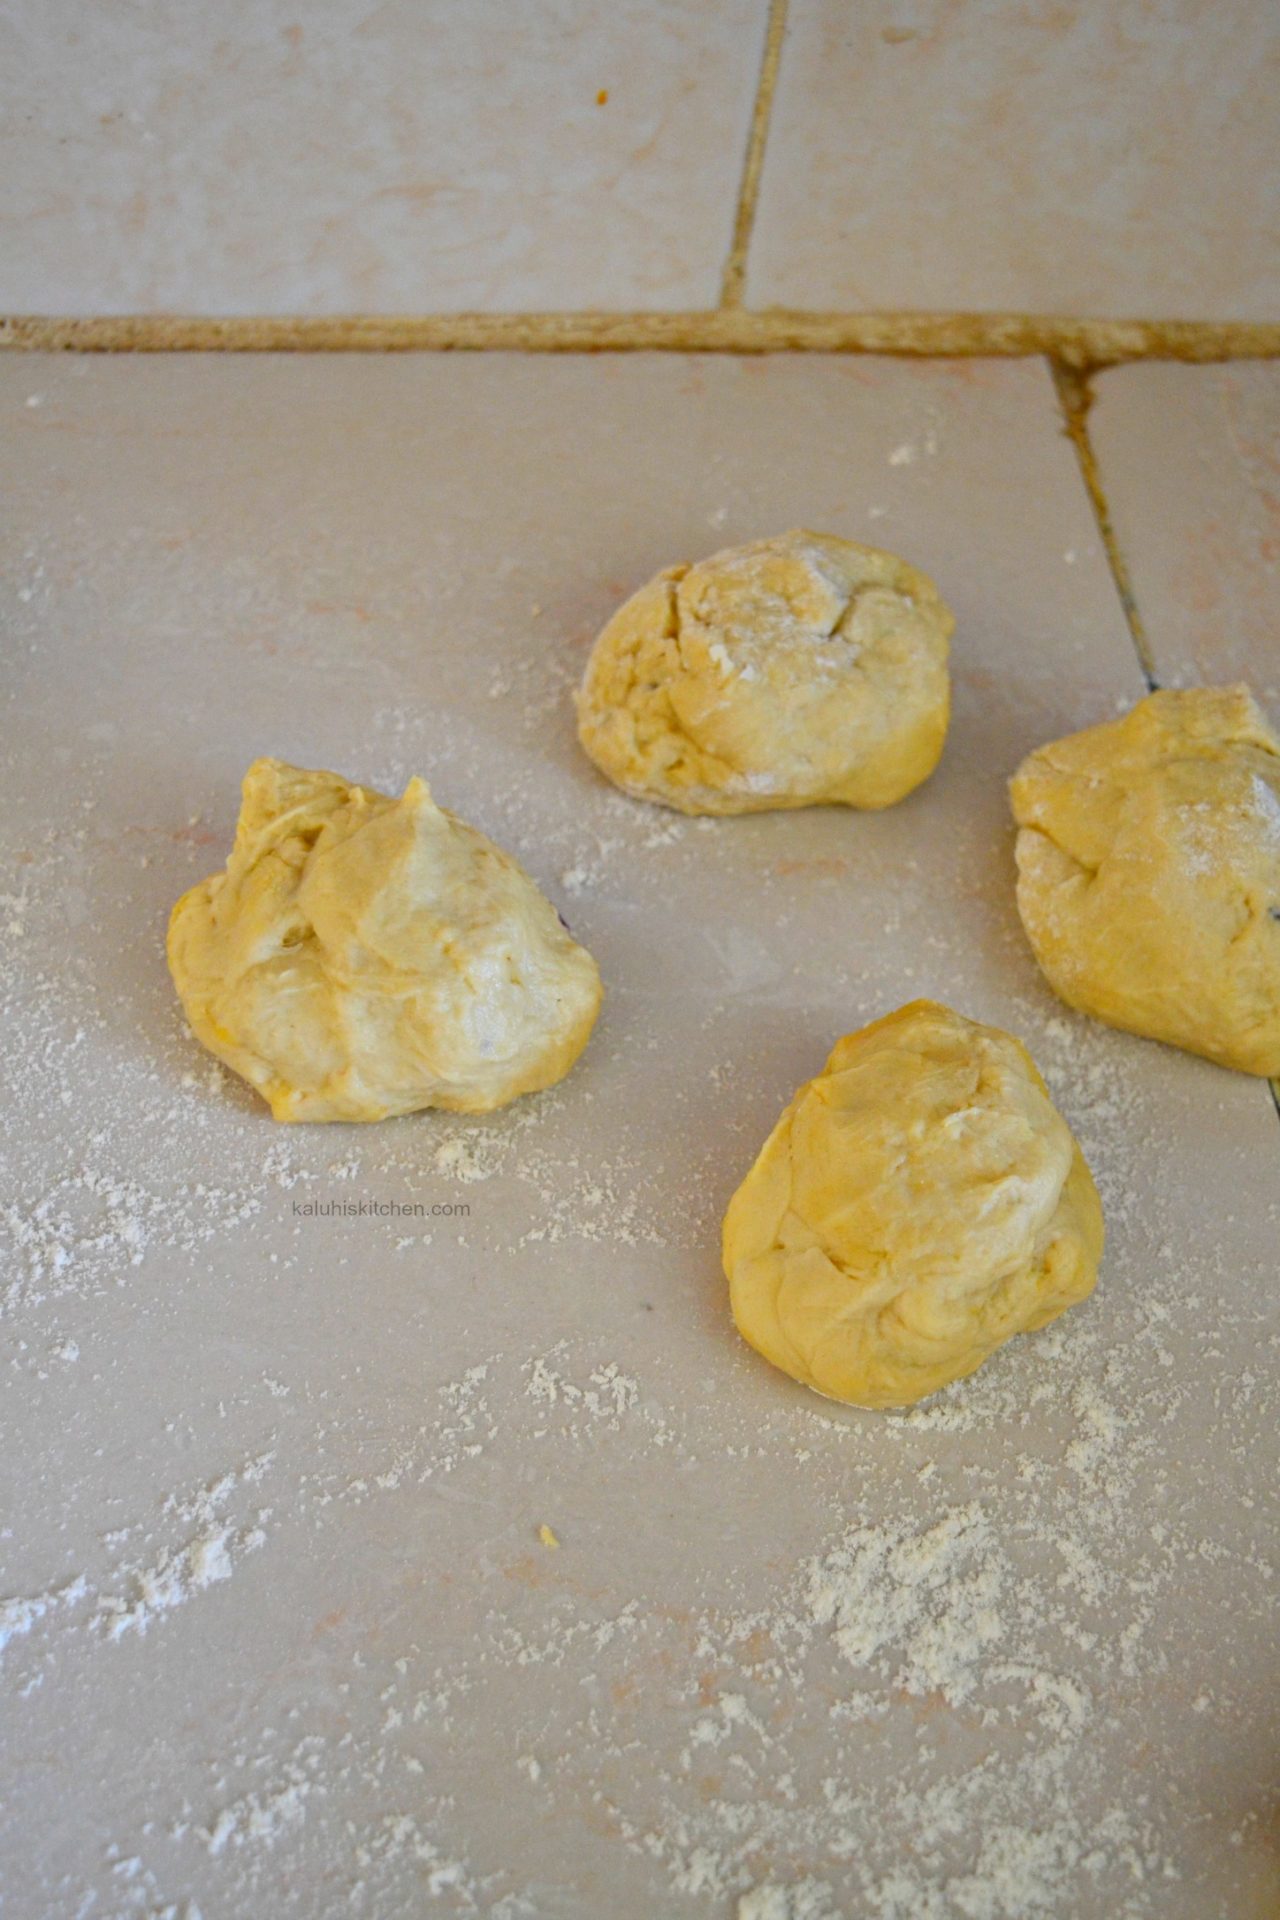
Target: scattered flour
point(922, 1605)
point(900, 1709)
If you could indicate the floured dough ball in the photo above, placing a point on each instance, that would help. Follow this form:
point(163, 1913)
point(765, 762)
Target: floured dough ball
point(917, 1204)
point(364, 956)
point(1149, 872)
point(785, 673)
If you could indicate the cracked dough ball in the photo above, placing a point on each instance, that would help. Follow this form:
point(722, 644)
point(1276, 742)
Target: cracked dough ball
point(917, 1204)
point(363, 956)
point(1149, 872)
point(785, 673)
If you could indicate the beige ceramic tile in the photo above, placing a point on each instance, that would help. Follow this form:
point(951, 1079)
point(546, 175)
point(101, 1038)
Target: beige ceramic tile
point(1190, 463)
point(370, 155)
point(281, 1635)
point(1114, 160)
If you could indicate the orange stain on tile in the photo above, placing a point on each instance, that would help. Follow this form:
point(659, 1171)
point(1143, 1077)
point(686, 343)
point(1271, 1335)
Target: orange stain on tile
point(758, 1647)
point(624, 1693)
point(353, 607)
point(1201, 568)
point(525, 1572)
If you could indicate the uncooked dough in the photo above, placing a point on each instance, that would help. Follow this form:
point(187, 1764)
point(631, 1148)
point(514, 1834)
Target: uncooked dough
point(1149, 872)
point(916, 1205)
point(784, 673)
point(363, 956)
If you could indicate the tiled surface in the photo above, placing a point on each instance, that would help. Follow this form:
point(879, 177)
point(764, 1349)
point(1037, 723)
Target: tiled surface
point(1190, 463)
point(281, 1637)
point(417, 156)
point(1119, 160)
point(404, 156)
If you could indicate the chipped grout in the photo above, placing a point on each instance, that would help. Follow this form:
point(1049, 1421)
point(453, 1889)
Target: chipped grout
point(1074, 388)
point(733, 285)
point(1077, 345)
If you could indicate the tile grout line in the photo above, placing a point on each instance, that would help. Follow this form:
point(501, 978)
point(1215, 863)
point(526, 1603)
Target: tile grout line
point(1074, 389)
point(1074, 344)
point(733, 283)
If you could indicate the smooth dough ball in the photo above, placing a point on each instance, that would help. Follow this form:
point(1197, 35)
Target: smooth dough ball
point(364, 956)
point(785, 673)
point(916, 1205)
point(1149, 872)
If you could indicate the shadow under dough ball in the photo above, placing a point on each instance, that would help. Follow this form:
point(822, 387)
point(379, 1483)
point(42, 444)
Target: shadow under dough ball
point(786, 673)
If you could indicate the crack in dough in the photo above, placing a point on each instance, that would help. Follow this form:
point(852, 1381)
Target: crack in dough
point(785, 673)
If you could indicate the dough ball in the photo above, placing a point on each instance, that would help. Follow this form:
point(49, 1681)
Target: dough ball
point(917, 1204)
point(1149, 872)
point(781, 674)
point(364, 956)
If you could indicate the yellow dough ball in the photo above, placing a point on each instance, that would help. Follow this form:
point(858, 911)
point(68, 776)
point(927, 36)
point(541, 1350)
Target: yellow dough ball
point(917, 1204)
point(784, 673)
point(1149, 872)
point(363, 956)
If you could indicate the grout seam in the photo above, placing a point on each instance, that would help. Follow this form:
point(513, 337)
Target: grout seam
point(1074, 389)
point(733, 283)
point(1079, 346)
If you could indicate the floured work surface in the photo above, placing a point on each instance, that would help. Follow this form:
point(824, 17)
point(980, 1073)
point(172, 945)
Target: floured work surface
point(283, 1631)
